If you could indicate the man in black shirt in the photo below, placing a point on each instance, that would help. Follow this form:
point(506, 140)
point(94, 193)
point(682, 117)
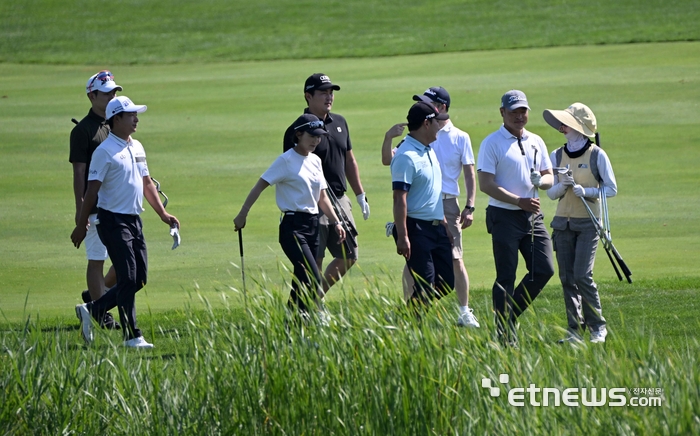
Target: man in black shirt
point(85, 137)
point(338, 161)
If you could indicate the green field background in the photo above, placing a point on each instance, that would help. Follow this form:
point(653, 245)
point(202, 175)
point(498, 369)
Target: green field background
point(212, 129)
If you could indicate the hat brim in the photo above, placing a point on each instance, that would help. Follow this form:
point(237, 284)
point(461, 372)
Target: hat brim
point(556, 119)
point(328, 86)
point(423, 98)
point(517, 105)
point(317, 132)
point(442, 116)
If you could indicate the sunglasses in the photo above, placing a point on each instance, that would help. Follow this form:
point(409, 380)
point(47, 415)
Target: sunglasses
point(103, 77)
point(312, 125)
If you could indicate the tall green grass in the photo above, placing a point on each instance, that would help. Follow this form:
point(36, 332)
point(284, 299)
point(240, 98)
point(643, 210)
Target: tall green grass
point(375, 371)
point(180, 31)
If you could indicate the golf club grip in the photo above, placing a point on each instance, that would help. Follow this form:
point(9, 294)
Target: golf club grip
point(240, 242)
point(612, 262)
point(623, 265)
point(74, 121)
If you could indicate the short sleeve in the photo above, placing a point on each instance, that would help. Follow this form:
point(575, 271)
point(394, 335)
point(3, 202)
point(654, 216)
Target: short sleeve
point(79, 146)
point(276, 172)
point(99, 165)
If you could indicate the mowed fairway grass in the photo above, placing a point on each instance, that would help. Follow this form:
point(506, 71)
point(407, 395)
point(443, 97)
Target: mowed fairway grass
point(211, 130)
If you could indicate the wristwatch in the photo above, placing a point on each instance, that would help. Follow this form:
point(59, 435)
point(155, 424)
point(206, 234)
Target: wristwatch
point(471, 209)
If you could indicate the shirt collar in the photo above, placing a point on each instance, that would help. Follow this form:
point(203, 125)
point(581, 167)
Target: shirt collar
point(506, 134)
point(413, 142)
point(120, 141)
point(92, 114)
point(328, 120)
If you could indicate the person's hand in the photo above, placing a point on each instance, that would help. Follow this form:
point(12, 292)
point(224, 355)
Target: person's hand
point(170, 220)
point(364, 205)
point(579, 191)
point(566, 179)
point(535, 178)
point(403, 247)
point(78, 235)
point(466, 218)
point(396, 130)
point(529, 204)
point(239, 221)
point(341, 233)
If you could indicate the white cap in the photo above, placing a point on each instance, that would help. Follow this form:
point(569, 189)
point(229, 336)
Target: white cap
point(123, 104)
point(102, 81)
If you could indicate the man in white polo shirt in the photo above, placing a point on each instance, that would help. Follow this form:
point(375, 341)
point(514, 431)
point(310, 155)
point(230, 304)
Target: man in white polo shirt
point(512, 165)
point(119, 173)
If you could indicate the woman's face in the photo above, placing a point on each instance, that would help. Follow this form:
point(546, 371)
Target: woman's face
point(307, 142)
point(564, 129)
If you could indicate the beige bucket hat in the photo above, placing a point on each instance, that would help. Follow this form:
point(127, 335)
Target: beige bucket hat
point(578, 116)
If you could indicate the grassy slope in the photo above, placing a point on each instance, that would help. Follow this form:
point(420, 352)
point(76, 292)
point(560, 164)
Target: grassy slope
point(135, 31)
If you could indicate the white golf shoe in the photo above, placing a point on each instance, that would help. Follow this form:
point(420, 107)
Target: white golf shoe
point(83, 314)
point(571, 337)
point(468, 319)
point(599, 336)
point(139, 342)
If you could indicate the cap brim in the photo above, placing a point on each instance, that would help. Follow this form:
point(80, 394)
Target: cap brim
point(423, 98)
point(318, 132)
point(557, 118)
point(442, 116)
point(329, 86)
point(138, 108)
point(518, 105)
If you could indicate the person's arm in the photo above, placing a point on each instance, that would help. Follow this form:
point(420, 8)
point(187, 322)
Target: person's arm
point(325, 204)
point(260, 186)
point(79, 169)
point(467, 217)
point(387, 152)
point(547, 179)
point(89, 202)
point(403, 246)
point(606, 173)
point(488, 185)
point(151, 194)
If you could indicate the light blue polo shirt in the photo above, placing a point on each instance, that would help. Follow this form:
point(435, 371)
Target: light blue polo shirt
point(415, 169)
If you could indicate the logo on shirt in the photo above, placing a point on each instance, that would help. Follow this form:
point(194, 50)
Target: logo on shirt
point(122, 156)
point(339, 129)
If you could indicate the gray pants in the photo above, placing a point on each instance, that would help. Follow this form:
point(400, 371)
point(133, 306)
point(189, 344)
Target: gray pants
point(575, 246)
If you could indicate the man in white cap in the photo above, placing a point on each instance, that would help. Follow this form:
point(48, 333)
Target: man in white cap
point(512, 165)
point(85, 137)
point(119, 173)
point(574, 234)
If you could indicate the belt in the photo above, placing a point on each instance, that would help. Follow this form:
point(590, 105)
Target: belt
point(292, 212)
point(432, 223)
point(447, 196)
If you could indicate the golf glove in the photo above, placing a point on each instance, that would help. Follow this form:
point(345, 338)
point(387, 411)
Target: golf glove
point(175, 233)
point(579, 191)
point(536, 178)
point(566, 179)
point(364, 205)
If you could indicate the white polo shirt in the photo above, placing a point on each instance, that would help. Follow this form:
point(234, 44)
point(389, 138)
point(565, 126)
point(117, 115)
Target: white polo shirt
point(298, 181)
point(120, 166)
point(453, 148)
point(500, 155)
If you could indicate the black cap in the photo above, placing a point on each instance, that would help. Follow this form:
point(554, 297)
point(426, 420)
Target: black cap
point(319, 82)
point(436, 93)
point(310, 123)
point(422, 111)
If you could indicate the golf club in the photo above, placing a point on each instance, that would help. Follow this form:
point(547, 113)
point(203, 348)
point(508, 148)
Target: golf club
point(350, 230)
point(240, 248)
point(165, 197)
point(532, 219)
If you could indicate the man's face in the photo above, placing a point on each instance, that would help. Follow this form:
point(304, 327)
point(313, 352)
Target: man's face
point(433, 129)
point(321, 102)
point(516, 119)
point(100, 99)
point(125, 123)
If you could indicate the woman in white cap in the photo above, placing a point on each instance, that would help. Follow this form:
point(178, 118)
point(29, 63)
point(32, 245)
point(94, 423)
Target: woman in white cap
point(583, 169)
point(301, 190)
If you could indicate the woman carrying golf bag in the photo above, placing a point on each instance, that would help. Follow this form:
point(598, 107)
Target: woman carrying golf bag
point(582, 173)
point(300, 191)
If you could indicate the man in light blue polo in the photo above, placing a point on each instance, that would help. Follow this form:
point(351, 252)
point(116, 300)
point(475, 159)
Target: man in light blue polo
point(419, 221)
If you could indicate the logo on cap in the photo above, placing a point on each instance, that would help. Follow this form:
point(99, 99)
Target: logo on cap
point(514, 98)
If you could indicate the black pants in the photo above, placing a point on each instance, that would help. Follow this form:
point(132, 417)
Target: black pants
point(299, 240)
point(511, 233)
point(430, 261)
point(123, 237)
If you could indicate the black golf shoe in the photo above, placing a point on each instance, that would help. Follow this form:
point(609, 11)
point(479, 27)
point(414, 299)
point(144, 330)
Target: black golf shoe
point(109, 323)
point(86, 296)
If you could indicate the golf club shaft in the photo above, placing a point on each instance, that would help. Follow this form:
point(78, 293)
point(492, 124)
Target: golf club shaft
point(609, 247)
point(240, 248)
